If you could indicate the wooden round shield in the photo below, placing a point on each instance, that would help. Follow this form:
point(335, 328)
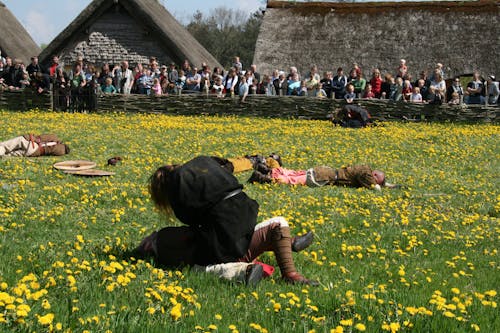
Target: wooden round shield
point(90, 172)
point(74, 165)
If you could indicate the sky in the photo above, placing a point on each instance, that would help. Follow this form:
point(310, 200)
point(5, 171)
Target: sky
point(45, 19)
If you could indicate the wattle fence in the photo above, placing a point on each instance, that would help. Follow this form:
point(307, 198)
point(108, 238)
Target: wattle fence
point(261, 106)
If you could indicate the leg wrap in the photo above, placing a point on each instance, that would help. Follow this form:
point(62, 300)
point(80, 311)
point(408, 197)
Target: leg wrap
point(281, 240)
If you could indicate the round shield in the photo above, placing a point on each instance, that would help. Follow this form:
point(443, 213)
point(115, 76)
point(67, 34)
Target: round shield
point(74, 165)
point(90, 172)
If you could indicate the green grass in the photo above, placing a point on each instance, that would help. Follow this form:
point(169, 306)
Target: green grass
point(433, 245)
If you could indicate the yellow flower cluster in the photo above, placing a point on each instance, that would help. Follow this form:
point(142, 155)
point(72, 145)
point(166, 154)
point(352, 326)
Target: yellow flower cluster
point(422, 258)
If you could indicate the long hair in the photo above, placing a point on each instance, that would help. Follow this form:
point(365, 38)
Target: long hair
point(158, 186)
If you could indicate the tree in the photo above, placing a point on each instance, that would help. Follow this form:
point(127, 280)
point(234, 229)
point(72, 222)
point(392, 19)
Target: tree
point(226, 33)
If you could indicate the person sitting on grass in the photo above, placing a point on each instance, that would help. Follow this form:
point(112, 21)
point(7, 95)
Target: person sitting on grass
point(31, 145)
point(351, 176)
point(220, 221)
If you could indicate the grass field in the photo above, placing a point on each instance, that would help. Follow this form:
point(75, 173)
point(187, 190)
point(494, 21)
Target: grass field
point(421, 259)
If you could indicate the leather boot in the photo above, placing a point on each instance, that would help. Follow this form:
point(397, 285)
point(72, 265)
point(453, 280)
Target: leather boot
point(281, 240)
point(301, 242)
point(259, 177)
point(253, 275)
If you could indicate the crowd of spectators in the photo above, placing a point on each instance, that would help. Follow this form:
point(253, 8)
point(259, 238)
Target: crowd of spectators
point(152, 79)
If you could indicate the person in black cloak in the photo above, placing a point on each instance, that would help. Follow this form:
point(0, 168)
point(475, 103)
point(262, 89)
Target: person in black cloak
point(220, 221)
point(352, 115)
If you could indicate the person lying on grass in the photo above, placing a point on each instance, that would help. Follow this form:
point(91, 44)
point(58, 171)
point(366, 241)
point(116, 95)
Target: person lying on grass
point(250, 162)
point(220, 221)
point(31, 145)
point(351, 176)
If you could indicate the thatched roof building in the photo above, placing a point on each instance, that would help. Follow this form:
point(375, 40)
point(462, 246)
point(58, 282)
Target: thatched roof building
point(111, 31)
point(464, 36)
point(15, 41)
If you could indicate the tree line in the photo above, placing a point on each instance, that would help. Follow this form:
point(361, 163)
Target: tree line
point(227, 33)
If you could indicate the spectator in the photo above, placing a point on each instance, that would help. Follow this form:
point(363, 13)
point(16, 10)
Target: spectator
point(402, 69)
point(439, 84)
point(434, 97)
point(386, 85)
point(104, 75)
point(281, 85)
point(454, 99)
point(205, 76)
point(145, 82)
point(172, 73)
point(493, 90)
point(303, 89)
point(124, 78)
point(314, 73)
point(358, 82)
point(256, 75)
point(218, 87)
point(350, 95)
point(108, 87)
point(25, 80)
point(424, 89)
point(243, 87)
point(397, 90)
point(237, 65)
point(292, 71)
point(407, 90)
point(357, 69)
point(368, 93)
point(423, 76)
point(79, 61)
point(181, 81)
point(34, 67)
point(416, 97)
point(321, 92)
point(311, 84)
point(78, 83)
point(53, 66)
point(455, 87)
point(193, 80)
point(327, 84)
point(156, 88)
point(154, 67)
point(475, 90)
point(339, 84)
point(186, 67)
point(294, 84)
point(8, 72)
point(376, 83)
point(266, 86)
point(17, 72)
point(62, 88)
point(437, 69)
point(231, 81)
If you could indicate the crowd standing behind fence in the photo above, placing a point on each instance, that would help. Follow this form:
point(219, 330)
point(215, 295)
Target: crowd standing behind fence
point(77, 88)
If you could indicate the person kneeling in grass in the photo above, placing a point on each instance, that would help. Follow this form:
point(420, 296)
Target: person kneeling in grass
point(31, 145)
point(220, 222)
point(351, 176)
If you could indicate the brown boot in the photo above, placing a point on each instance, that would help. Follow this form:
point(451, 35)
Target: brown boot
point(259, 177)
point(281, 240)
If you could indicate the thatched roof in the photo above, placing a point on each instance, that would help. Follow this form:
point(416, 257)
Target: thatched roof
point(149, 15)
point(15, 41)
point(463, 35)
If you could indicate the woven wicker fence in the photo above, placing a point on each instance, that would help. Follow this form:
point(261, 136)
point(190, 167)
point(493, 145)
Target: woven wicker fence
point(263, 106)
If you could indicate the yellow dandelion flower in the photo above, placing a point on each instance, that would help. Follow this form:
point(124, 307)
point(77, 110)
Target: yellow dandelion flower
point(360, 327)
point(47, 319)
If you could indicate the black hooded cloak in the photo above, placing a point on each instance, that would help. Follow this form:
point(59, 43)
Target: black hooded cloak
point(209, 199)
